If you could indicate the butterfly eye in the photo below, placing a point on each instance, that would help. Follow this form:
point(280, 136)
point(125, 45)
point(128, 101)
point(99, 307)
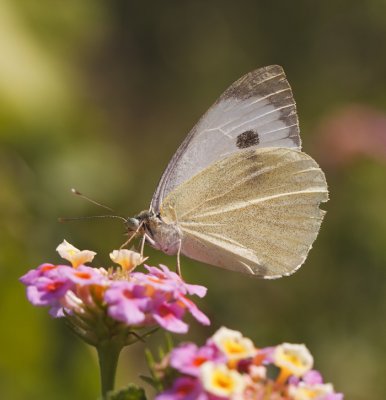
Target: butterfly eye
point(132, 224)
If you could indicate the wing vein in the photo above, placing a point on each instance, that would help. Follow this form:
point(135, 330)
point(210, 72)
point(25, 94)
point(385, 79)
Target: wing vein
point(245, 204)
point(261, 116)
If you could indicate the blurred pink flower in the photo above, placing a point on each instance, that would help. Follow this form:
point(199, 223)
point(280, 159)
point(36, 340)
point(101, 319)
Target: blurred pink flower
point(184, 388)
point(351, 132)
point(188, 358)
point(208, 372)
point(313, 377)
point(334, 396)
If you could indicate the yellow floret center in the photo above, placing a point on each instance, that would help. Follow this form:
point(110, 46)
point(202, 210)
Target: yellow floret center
point(293, 359)
point(311, 394)
point(223, 381)
point(233, 347)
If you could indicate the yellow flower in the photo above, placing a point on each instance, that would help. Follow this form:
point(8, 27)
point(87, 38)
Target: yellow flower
point(294, 359)
point(127, 259)
point(75, 256)
point(221, 381)
point(305, 391)
point(233, 344)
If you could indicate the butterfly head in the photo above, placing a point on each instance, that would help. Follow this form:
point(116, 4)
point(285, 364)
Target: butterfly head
point(132, 224)
point(159, 234)
point(135, 224)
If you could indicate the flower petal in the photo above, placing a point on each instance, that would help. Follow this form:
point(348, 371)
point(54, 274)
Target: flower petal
point(127, 259)
point(74, 255)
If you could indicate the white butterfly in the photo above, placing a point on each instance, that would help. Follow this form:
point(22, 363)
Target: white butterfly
point(239, 193)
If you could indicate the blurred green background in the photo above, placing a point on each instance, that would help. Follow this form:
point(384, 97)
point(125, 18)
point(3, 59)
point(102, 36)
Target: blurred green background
point(98, 95)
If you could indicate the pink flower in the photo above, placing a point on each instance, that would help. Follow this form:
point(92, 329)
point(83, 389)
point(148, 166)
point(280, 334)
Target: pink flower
point(62, 287)
point(169, 311)
point(184, 388)
point(44, 269)
point(164, 279)
point(135, 299)
point(313, 377)
point(194, 310)
point(188, 358)
point(169, 316)
point(266, 353)
point(84, 276)
point(334, 396)
point(46, 285)
point(127, 302)
point(153, 298)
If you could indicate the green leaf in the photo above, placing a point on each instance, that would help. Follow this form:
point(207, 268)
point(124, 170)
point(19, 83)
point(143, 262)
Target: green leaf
point(132, 392)
point(160, 376)
point(149, 381)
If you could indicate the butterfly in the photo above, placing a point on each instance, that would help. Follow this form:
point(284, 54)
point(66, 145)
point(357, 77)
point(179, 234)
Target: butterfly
point(239, 193)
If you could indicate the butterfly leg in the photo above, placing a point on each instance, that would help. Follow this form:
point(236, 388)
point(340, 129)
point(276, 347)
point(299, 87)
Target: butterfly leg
point(178, 260)
point(143, 240)
point(127, 241)
point(132, 236)
point(179, 244)
point(146, 238)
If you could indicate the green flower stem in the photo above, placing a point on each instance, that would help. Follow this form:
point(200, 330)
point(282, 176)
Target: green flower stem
point(108, 354)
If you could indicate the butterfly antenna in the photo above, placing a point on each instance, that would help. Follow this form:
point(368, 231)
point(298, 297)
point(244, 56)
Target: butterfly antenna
point(76, 192)
point(61, 219)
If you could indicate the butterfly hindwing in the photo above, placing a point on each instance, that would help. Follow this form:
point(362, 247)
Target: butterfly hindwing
point(256, 211)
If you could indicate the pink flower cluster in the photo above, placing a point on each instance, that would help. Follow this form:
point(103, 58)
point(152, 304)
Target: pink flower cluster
point(230, 367)
point(63, 288)
point(158, 297)
point(134, 299)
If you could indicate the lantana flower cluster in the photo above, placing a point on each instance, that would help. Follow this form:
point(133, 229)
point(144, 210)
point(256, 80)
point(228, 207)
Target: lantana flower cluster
point(109, 299)
point(229, 366)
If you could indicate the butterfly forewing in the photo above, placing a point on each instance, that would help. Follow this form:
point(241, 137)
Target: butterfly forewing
point(256, 211)
point(256, 111)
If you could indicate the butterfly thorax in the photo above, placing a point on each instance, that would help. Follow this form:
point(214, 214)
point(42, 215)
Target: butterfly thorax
point(159, 234)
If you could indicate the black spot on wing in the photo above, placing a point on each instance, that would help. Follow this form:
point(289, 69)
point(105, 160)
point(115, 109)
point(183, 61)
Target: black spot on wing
point(247, 139)
point(268, 85)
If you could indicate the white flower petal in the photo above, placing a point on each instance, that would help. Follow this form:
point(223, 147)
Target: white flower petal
point(305, 391)
point(233, 344)
point(74, 255)
point(127, 259)
point(295, 358)
point(221, 381)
